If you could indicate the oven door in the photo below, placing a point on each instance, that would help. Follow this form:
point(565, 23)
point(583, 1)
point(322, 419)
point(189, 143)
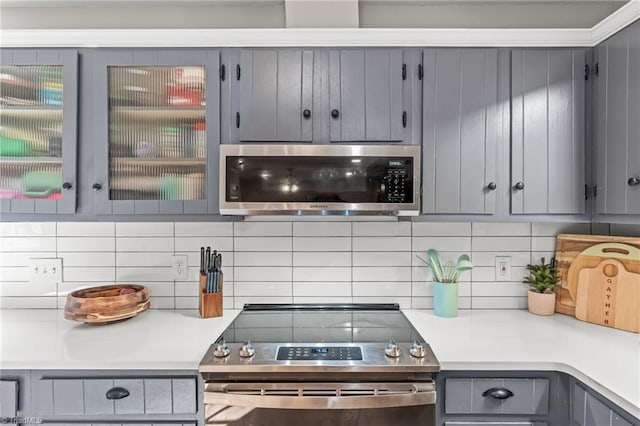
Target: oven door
point(288, 404)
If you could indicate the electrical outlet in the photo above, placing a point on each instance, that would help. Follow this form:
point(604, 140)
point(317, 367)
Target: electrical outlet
point(45, 270)
point(503, 268)
point(180, 268)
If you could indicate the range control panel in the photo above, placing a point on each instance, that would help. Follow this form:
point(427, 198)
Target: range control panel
point(319, 353)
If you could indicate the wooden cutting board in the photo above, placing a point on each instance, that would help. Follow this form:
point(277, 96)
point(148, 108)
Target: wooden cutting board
point(609, 295)
point(568, 249)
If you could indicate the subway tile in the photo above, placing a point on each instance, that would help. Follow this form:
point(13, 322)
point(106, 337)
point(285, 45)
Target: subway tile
point(262, 229)
point(86, 229)
point(203, 229)
point(321, 289)
point(382, 258)
point(544, 229)
point(427, 303)
point(162, 302)
point(600, 229)
point(381, 273)
point(543, 244)
point(239, 302)
point(106, 275)
point(41, 244)
point(499, 289)
point(193, 244)
point(28, 302)
point(381, 229)
point(441, 229)
point(488, 258)
point(134, 244)
point(262, 243)
point(27, 229)
point(193, 258)
point(144, 229)
point(501, 243)
point(321, 244)
point(536, 256)
point(194, 273)
point(322, 299)
point(75, 244)
point(15, 273)
point(187, 288)
point(499, 303)
point(158, 288)
point(404, 302)
point(321, 274)
point(261, 288)
point(88, 258)
point(321, 229)
point(442, 243)
point(422, 289)
point(67, 287)
point(125, 274)
point(488, 273)
point(187, 302)
point(228, 302)
point(22, 258)
point(394, 289)
point(381, 243)
point(27, 289)
point(263, 258)
point(489, 229)
point(141, 259)
point(624, 230)
point(446, 256)
point(322, 258)
point(260, 273)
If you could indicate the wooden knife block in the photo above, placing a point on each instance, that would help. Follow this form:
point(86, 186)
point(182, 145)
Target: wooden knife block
point(210, 304)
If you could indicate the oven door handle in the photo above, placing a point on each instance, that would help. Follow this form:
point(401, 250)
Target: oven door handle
point(320, 396)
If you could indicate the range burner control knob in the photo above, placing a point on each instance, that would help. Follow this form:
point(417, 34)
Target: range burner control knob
point(221, 350)
point(417, 350)
point(247, 350)
point(392, 350)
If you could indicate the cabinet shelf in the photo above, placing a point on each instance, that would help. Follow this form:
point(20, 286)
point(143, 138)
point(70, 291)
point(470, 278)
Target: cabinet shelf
point(158, 113)
point(36, 112)
point(30, 160)
point(130, 161)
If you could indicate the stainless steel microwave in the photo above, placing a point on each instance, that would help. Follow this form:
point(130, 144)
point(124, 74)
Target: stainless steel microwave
point(319, 179)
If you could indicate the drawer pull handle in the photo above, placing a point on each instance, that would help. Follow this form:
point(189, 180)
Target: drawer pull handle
point(498, 393)
point(117, 393)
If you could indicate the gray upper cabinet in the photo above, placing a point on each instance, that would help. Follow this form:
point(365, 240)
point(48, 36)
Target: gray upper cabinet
point(157, 131)
point(617, 123)
point(460, 99)
point(548, 131)
point(8, 398)
point(275, 95)
point(365, 95)
point(38, 130)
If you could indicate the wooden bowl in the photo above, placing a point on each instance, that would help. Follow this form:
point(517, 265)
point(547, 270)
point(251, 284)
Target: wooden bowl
point(106, 304)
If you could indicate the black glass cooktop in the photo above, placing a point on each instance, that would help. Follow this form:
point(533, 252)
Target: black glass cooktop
point(329, 323)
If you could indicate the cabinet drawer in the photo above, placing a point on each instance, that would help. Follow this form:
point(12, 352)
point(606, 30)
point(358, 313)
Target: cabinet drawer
point(71, 397)
point(8, 398)
point(465, 396)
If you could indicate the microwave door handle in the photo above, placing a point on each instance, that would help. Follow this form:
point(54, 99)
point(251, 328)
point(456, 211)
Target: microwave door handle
point(304, 399)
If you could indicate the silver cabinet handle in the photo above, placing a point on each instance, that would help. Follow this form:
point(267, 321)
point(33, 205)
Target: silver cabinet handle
point(320, 396)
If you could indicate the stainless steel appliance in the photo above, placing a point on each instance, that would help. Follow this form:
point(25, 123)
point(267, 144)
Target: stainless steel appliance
point(320, 179)
point(291, 365)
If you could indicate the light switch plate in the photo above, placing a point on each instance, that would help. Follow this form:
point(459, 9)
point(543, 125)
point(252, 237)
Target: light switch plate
point(45, 270)
point(503, 268)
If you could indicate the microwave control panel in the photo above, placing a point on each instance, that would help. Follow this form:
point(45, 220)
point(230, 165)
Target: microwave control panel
point(396, 188)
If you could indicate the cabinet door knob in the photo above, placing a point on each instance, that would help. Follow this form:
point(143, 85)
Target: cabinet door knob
point(491, 186)
point(117, 393)
point(633, 181)
point(67, 185)
point(335, 113)
point(498, 393)
point(519, 186)
point(306, 113)
point(96, 186)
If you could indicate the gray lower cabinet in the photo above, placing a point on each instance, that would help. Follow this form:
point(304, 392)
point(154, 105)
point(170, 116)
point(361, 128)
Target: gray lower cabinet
point(275, 99)
point(460, 130)
point(366, 95)
point(590, 409)
point(548, 141)
point(617, 123)
point(496, 424)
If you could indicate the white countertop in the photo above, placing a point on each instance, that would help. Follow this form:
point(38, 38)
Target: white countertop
point(607, 360)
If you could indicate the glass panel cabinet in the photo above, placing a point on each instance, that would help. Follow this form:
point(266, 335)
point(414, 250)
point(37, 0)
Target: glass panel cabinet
point(38, 112)
point(157, 132)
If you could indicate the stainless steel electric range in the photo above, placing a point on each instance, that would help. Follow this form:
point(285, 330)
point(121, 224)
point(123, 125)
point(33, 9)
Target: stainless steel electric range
point(320, 364)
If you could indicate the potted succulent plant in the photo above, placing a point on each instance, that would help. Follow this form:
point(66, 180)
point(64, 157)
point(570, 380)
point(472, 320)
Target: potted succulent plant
point(542, 279)
point(445, 282)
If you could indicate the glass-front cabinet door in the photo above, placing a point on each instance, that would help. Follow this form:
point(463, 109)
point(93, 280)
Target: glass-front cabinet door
point(38, 113)
point(157, 131)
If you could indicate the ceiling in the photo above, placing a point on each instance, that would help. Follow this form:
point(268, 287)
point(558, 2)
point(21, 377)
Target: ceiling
point(212, 14)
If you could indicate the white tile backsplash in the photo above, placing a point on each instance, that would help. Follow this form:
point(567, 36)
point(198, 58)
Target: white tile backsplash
point(279, 262)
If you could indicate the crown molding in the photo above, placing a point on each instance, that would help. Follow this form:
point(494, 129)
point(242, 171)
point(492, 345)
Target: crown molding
point(613, 23)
